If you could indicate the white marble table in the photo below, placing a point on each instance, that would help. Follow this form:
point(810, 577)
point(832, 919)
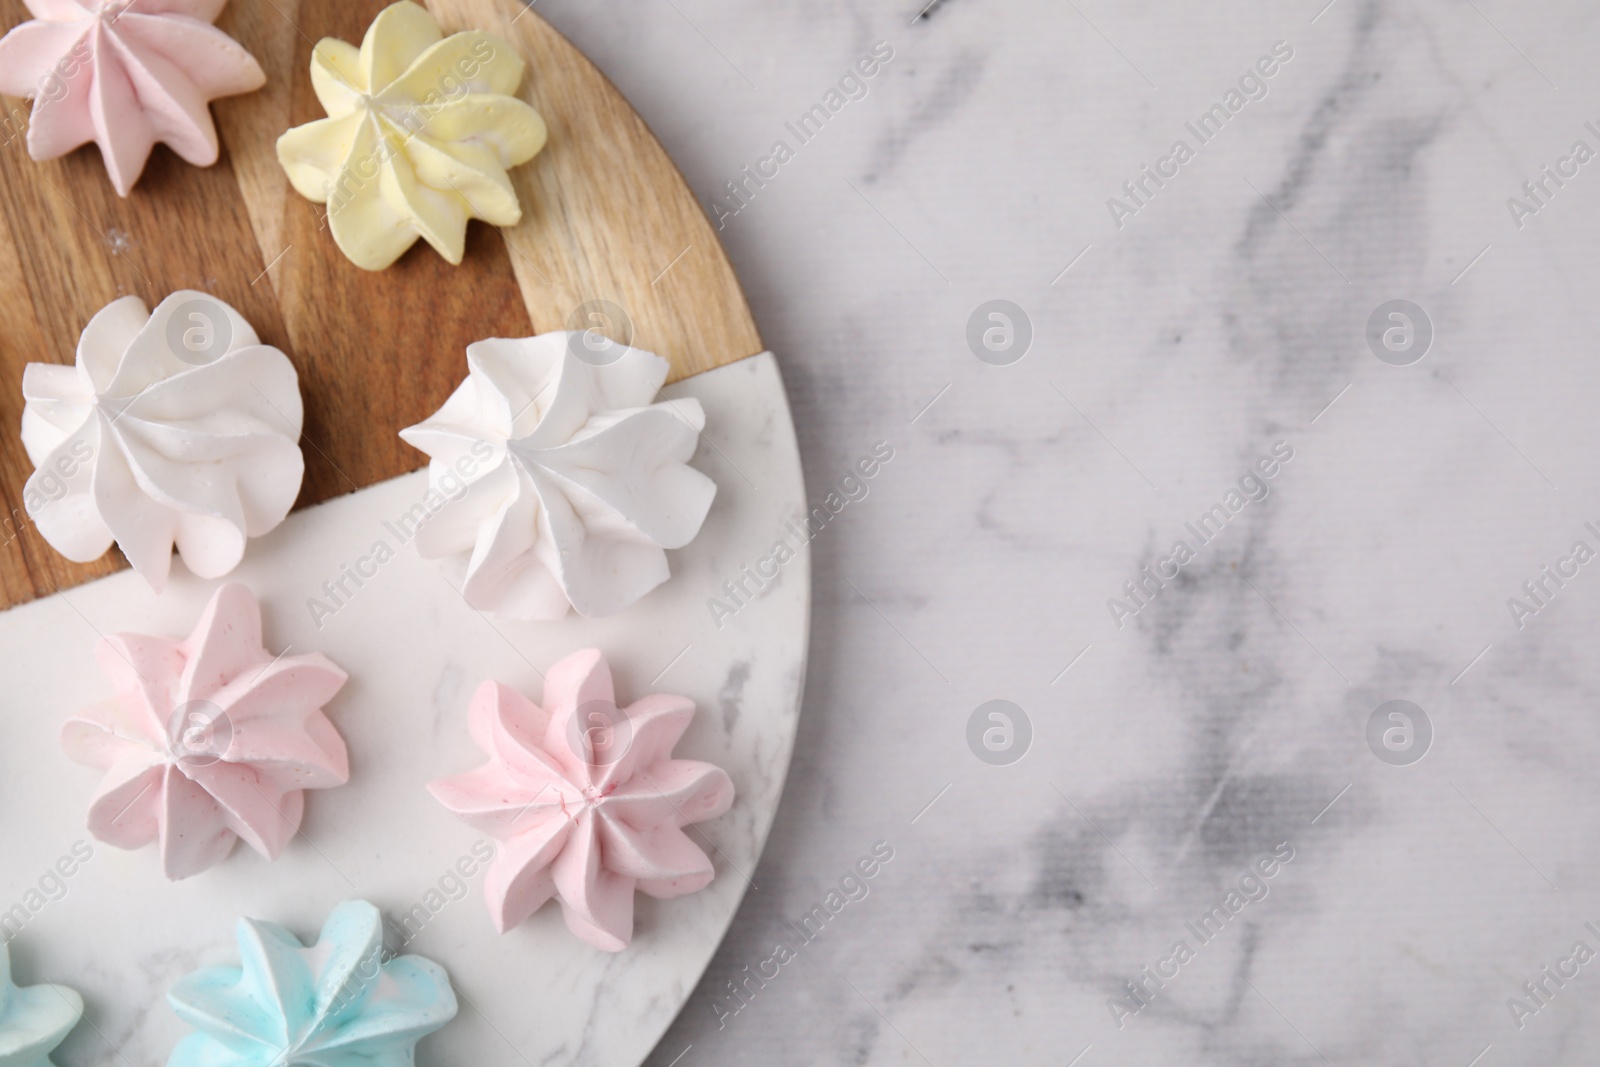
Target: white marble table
point(1225, 315)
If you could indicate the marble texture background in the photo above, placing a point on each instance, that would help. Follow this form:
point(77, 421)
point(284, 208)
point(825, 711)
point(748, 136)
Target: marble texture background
point(1224, 719)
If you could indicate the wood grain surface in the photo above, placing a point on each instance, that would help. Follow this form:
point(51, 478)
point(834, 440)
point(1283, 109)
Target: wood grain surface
point(606, 217)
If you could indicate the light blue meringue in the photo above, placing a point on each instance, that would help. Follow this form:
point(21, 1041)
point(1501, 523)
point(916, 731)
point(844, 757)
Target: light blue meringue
point(33, 1019)
point(335, 1004)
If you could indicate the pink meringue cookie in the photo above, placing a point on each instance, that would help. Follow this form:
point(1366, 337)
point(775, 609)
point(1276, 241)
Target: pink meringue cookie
point(124, 74)
point(208, 739)
point(585, 799)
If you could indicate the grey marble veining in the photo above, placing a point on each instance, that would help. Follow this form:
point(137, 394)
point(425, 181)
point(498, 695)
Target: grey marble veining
point(1221, 731)
point(1228, 717)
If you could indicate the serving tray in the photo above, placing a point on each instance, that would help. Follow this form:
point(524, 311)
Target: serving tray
point(608, 224)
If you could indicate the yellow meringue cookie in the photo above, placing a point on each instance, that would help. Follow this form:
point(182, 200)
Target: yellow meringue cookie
point(420, 132)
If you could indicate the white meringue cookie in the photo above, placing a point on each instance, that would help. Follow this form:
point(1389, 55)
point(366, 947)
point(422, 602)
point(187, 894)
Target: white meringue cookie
point(174, 427)
point(560, 476)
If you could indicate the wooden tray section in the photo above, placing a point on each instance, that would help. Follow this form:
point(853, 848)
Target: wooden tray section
point(606, 215)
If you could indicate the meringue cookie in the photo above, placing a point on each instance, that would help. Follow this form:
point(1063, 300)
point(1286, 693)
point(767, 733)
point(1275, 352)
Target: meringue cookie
point(420, 132)
point(124, 74)
point(208, 739)
point(585, 480)
point(33, 1019)
point(585, 799)
point(339, 1002)
point(174, 427)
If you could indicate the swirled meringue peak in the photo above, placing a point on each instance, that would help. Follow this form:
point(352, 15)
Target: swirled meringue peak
point(176, 427)
point(208, 739)
point(342, 1002)
point(585, 799)
point(560, 476)
point(124, 74)
point(421, 129)
point(33, 1019)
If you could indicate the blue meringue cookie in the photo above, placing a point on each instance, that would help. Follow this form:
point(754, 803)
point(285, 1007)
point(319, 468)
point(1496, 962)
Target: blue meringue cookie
point(339, 1003)
point(33, 1019)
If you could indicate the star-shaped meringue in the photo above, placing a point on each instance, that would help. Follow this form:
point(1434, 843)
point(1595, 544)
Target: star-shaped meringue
point(338, 1003)
point(124, 74)
point(174, 427)
point(421, 129)
point(208, 739)
point(33, 1019)
point(585, 799)
point(561, 477)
